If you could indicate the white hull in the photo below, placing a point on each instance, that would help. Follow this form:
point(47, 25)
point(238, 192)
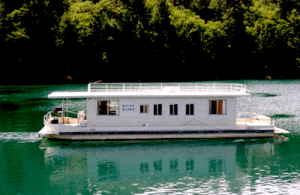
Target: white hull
point(65, 132)
point(158, 137)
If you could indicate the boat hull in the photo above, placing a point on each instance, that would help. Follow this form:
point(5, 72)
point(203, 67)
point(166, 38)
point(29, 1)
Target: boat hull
point(156, 137)
point(159, 134)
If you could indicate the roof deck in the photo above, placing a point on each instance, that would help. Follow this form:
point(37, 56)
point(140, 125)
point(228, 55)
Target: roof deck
point(166, 87)
point(157, 90)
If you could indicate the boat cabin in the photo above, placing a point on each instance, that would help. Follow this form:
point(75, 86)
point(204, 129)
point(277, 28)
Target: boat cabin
point(176, 104)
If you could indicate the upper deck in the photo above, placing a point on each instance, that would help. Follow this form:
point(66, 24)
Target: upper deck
point(157, 90)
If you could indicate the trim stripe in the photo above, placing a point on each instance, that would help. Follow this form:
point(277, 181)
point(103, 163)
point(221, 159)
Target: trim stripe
point(163, 132)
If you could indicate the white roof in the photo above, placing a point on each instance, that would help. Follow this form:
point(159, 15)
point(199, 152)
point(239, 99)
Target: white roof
point(125, 90)
point(140, 95)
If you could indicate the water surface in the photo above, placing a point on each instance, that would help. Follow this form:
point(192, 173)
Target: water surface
point(30, 165)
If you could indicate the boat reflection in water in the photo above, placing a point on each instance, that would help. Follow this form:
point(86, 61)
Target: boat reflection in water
point(154, 167)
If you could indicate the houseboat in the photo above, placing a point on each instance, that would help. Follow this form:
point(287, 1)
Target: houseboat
point(140, 111)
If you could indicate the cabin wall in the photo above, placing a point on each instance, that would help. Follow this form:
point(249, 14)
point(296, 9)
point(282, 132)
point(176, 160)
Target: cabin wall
point(201, 115)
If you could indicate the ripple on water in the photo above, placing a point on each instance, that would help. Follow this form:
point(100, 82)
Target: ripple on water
point(19, 136)
point(264, 94)
point(275, 116)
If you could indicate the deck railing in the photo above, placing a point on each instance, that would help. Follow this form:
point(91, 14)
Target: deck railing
point(62, 120)
point(250, 117)
point(166, 87)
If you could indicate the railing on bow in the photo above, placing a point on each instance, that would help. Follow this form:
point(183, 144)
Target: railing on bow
point(65, 118)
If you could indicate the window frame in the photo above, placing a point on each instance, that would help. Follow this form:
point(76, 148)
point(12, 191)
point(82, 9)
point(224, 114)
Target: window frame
point(217, 107)
point(110, 110)
point(157, 109)
point(142, 111)
point(173, 109)
point(189, 109)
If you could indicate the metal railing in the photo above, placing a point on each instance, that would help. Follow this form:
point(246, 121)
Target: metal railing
point(62, 119)
point(247, 117)
point(166, 87)
point(47, 117)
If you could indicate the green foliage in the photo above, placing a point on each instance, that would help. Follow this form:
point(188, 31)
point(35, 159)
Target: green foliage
point(213, 37)
point(294, 22)
point(264, 23)
point(85, 16)
point(294, 36)
point(186, 22)
point(192, 32)
point(1, 13)
point(80, 16)
point(15, 19)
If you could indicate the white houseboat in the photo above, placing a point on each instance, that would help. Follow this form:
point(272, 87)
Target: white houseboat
point(138, 111)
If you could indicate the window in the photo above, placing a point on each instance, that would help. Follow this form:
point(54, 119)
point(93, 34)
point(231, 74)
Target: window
point(108, 107)
point(217, 107)
point(189, 109)
point(216, 166)
point(144, 109)
point(173, 109)
point(157, 109)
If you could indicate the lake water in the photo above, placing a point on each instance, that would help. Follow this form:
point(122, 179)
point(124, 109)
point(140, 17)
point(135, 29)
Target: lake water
point(30, 165)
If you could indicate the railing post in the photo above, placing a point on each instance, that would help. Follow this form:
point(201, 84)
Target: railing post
point(62, 111)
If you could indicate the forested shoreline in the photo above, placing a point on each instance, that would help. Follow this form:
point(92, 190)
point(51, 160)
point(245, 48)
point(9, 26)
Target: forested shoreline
point(76, 41)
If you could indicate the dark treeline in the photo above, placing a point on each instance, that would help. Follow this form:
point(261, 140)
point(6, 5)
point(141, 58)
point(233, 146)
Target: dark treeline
point(61, 41)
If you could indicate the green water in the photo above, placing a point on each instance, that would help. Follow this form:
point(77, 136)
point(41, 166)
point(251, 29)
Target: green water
point(29, 165)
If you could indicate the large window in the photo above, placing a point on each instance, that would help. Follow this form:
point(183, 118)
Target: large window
point(157, 109)
point(189, 109)
point(173, 109)
point(217, 107)
point(108, 107)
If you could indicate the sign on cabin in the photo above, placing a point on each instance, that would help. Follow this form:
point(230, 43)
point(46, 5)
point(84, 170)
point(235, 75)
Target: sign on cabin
point(128, 108)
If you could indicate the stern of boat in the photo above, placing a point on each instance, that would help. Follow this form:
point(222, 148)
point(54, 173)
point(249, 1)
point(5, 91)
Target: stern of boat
point(253, 121)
